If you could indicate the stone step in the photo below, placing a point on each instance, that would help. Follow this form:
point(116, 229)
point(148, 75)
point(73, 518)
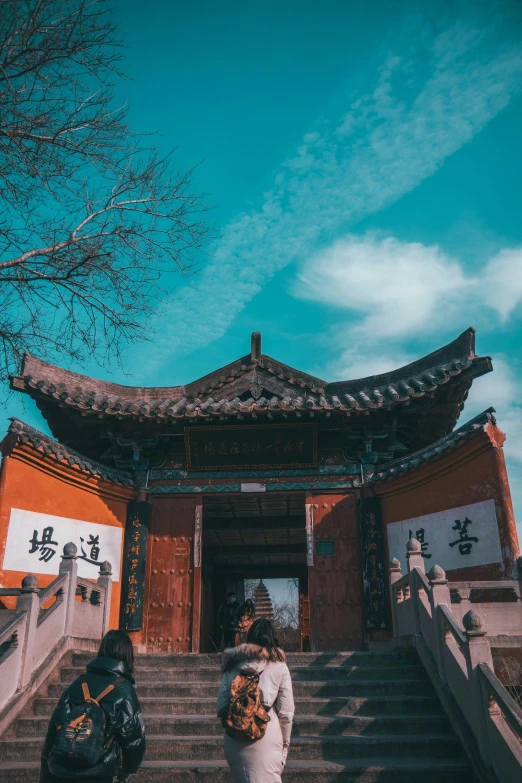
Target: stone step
point(304, 725)
point(299, 674)
point(189, 660)
point(319, 689)
point(205, 748)
point(361, 770)
point(411, 706)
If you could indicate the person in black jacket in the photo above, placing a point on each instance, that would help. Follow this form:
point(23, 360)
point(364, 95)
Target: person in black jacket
point(124, 722)
point(229, 616)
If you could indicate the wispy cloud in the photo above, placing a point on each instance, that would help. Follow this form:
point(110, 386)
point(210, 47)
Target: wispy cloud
point(388, 141)
point(398, 289)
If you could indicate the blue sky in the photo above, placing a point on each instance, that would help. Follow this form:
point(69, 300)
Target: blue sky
point(364, 164)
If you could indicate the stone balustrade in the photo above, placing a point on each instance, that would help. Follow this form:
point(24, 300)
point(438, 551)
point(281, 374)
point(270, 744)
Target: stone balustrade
point(45, 623)
point(456, 653)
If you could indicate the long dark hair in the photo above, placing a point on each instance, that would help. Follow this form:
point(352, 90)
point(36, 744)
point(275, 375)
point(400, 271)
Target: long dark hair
point(248, 609)
point(262, 633)
point(117, 645)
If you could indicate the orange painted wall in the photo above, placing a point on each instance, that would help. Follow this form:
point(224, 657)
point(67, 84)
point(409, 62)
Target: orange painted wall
point(472, 472)
point(33, 482)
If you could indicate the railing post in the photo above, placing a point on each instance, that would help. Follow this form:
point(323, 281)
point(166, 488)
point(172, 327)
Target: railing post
point(69, 566)
point(28, 601)
point(395, 575)
point(105, 582)
point(440, 595)
point(414, 555)
point(479, 651)
point(415, 563)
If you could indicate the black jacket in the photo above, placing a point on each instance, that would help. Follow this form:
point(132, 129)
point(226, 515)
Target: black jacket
point(229, 616)
point(124, 722)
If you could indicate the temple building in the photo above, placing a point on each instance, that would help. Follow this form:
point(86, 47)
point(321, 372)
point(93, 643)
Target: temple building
point(257, 470)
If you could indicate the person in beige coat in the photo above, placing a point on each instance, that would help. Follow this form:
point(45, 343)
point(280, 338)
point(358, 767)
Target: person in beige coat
point(260, 761)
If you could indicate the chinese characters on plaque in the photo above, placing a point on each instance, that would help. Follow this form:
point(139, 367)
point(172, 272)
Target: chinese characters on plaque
point(134, 563)
point(35, 544)
point(373, 567)
point(259, 446)
point(456, 538)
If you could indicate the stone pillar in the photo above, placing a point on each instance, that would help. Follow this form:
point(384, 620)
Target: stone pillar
point(440, 595)
point(414, 555)
point(395, 575)
point(105, 582)
point(28, 601)
point(69, 567)
point(479, 651)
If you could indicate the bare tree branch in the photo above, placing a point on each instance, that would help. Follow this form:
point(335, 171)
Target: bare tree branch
point(95, 225)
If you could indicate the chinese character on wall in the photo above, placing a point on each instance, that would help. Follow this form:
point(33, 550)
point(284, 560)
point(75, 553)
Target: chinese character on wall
point(44, 545)
point(420, 535)
point(464, 541)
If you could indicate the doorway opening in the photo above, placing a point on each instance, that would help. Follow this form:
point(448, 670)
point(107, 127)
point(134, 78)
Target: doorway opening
point(278, 599)
point(248, 539)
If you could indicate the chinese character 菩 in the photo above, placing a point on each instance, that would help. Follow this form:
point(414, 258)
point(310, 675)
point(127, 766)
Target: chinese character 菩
point(464, 541)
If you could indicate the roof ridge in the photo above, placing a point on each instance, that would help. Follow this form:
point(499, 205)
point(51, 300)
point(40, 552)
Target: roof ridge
point(460, 351)
point(221, 392)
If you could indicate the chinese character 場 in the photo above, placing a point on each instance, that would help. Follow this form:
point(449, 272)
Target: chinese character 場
point(43, 546)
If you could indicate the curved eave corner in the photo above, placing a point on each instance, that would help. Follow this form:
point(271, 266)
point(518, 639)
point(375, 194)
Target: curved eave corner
point(418, 459)
point(21, 433)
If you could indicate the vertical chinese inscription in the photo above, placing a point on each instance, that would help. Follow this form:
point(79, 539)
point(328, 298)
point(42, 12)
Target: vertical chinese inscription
point(309, 534)
point(197, 535)
point(373, 568)
point(134, 564)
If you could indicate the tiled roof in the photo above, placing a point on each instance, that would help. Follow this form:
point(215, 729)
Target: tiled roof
point(251, 385)
point(51, 448)
point(404, 465)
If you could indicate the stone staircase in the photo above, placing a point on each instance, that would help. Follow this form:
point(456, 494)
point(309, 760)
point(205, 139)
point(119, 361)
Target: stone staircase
point(369, 717)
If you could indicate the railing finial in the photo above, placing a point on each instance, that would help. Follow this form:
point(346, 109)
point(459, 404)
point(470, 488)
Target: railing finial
point(414, 555)
point(69, 551)
point(473, 624)
point(30, 584)
point(437, 575)
point(105, 568)
point(413, 546)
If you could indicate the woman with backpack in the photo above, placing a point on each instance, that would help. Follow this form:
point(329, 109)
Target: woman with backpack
point(96, 732)
point(256, 707)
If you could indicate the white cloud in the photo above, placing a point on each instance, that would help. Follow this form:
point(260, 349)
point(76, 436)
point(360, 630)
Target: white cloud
point(397, 286)
point(405, 288)
point(387, 143)
point(503, 281)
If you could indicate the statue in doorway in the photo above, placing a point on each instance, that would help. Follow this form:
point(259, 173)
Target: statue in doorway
point(228, 620)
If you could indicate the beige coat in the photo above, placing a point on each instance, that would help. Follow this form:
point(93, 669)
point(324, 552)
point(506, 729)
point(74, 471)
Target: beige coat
point(261, 761)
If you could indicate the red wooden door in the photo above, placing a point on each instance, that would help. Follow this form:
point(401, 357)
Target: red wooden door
point(335, 586)
point(170, 594)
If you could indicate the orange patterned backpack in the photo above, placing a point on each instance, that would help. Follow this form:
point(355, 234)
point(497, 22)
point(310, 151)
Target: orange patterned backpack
point(246, 717)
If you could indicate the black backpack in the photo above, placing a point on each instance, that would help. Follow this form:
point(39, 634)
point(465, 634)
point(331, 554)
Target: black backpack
point(82, 742)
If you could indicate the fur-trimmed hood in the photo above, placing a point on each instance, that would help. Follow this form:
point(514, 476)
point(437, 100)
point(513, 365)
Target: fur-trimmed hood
point(245, 656)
